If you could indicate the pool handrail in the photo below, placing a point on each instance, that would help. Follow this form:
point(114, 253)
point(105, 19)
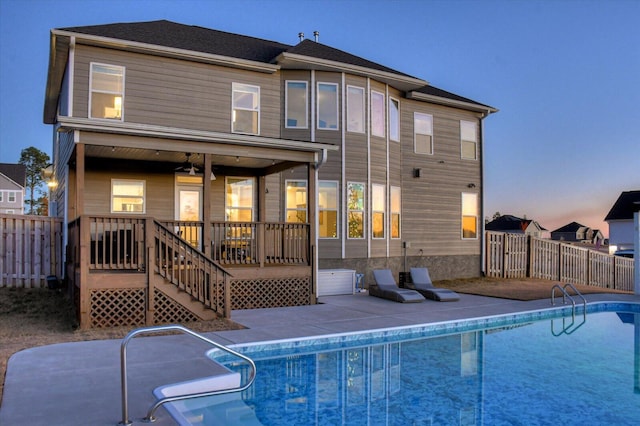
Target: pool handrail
point(173, 327)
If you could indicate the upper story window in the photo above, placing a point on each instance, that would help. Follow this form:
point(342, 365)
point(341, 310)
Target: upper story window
point(378, 210)
point(296, 105)
point(328, 209)
point(11, 197)
point(468, 140)
point(127, 196)
point(422, 133)
point(296, 201)
point(246, 109)
point(377, 114)
point(355, 109)
point(394, 119)
point(328, 106)
point(1, 196)
point(396, 206)
point(355, 212)
point(106, 97)
point(469, 215)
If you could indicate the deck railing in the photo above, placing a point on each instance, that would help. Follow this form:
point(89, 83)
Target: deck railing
point(517, 255)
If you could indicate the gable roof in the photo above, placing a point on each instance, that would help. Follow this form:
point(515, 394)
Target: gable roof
point(174, 39)
point(15, 172)
point(625, 206)
point(571, 227)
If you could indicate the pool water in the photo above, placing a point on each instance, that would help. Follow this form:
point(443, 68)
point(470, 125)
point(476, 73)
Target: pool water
point(515, 370)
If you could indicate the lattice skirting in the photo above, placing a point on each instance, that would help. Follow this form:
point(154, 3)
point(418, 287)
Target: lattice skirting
point(168, 311)
point(115, 308)
point(270, 293)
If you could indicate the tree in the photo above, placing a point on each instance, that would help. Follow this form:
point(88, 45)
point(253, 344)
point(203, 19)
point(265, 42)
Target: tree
point(496, 215)
point(34, 160)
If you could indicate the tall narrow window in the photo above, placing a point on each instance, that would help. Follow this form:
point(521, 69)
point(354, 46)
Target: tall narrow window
point(239, 199)
point(396, 206)
point(377, 114)
point(422, 133)
point(127, 196)
point(355, 109)
point(328, 209)
point(296, 201)
point(468, 140)
point(107, 91)
point(246, 109)
point(1, 196)
point(296, 105)
point(328, 106)
point(355, 212)
point(469, 215)
point(11, 197)
point(394, 119)
point(378, 210)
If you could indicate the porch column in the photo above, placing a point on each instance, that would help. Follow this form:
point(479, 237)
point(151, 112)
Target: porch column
point(79, 179)
point(206, 207)
point(312, 199)
point(261, 219)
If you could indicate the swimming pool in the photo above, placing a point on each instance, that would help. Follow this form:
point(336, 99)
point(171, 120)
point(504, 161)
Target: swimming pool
point(543, 367)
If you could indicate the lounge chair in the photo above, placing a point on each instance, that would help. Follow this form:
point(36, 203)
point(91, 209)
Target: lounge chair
point(386, 288)
point(421, 282)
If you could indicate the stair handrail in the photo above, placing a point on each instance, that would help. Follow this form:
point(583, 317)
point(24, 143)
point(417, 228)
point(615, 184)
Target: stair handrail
point(161, 328)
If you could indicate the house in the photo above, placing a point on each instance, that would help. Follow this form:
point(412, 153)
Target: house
point(516, 225)
point(620, 221)
point(576, 232)
point(216, 171)
point(13, 179)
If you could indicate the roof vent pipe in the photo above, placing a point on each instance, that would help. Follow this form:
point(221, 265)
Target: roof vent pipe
point(301, 36)
point(316, 34)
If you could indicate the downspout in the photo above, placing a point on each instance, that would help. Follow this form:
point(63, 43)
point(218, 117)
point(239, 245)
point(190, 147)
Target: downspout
point(483, 248)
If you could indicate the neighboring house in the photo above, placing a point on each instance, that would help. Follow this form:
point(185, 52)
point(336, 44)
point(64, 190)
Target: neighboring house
point(13, 179)
point(576, 232)
point(516, 225)
point(620, 220)
point(257, 154)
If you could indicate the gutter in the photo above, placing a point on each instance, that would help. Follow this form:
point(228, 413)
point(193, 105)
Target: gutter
point(170, 52)
point(484, 109)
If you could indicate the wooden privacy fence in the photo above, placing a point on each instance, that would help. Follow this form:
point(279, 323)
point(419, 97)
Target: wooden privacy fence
point(520, 256)
point(30, 250)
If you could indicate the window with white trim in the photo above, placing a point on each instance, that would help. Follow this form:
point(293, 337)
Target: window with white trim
point(1, 196)
point(327, 106)
point(469, 215)
point(377, 114)
point(394, 119)
point(355, 210)
point(106, 94)
point(327, 209)
point(11, 196)
point(239, 199)
point(296, 108)
point(468, 140)
point(127, 196)
point(245, 115)
point(422, 133)
point(355, 109)
point(378, 210)
point(396, 206)
point(296, 201)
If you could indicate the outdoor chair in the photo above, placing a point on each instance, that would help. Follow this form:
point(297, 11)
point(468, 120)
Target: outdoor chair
point(387, 288)
point(421, 282)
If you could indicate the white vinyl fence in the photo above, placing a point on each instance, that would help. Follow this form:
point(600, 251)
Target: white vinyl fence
point(520, 256)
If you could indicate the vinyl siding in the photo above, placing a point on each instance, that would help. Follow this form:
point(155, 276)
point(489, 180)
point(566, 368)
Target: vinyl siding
point(186, 94)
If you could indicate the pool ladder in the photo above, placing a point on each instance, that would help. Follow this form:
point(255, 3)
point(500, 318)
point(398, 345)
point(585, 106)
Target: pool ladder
point(568, 329)
point(162, 328)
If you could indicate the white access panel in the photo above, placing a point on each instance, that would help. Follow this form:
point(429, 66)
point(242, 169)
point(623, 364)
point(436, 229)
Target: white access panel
point(332, 282)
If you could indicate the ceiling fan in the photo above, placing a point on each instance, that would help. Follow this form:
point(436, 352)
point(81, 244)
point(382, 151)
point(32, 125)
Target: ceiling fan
point(188, 165)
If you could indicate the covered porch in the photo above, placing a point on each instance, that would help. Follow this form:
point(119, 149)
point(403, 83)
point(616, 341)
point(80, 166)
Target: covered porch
point(187, 250)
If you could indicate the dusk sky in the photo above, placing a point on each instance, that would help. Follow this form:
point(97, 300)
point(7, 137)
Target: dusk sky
point(565, 76)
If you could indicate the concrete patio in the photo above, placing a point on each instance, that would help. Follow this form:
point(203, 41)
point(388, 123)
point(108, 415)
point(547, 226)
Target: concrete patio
point(79, 383)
